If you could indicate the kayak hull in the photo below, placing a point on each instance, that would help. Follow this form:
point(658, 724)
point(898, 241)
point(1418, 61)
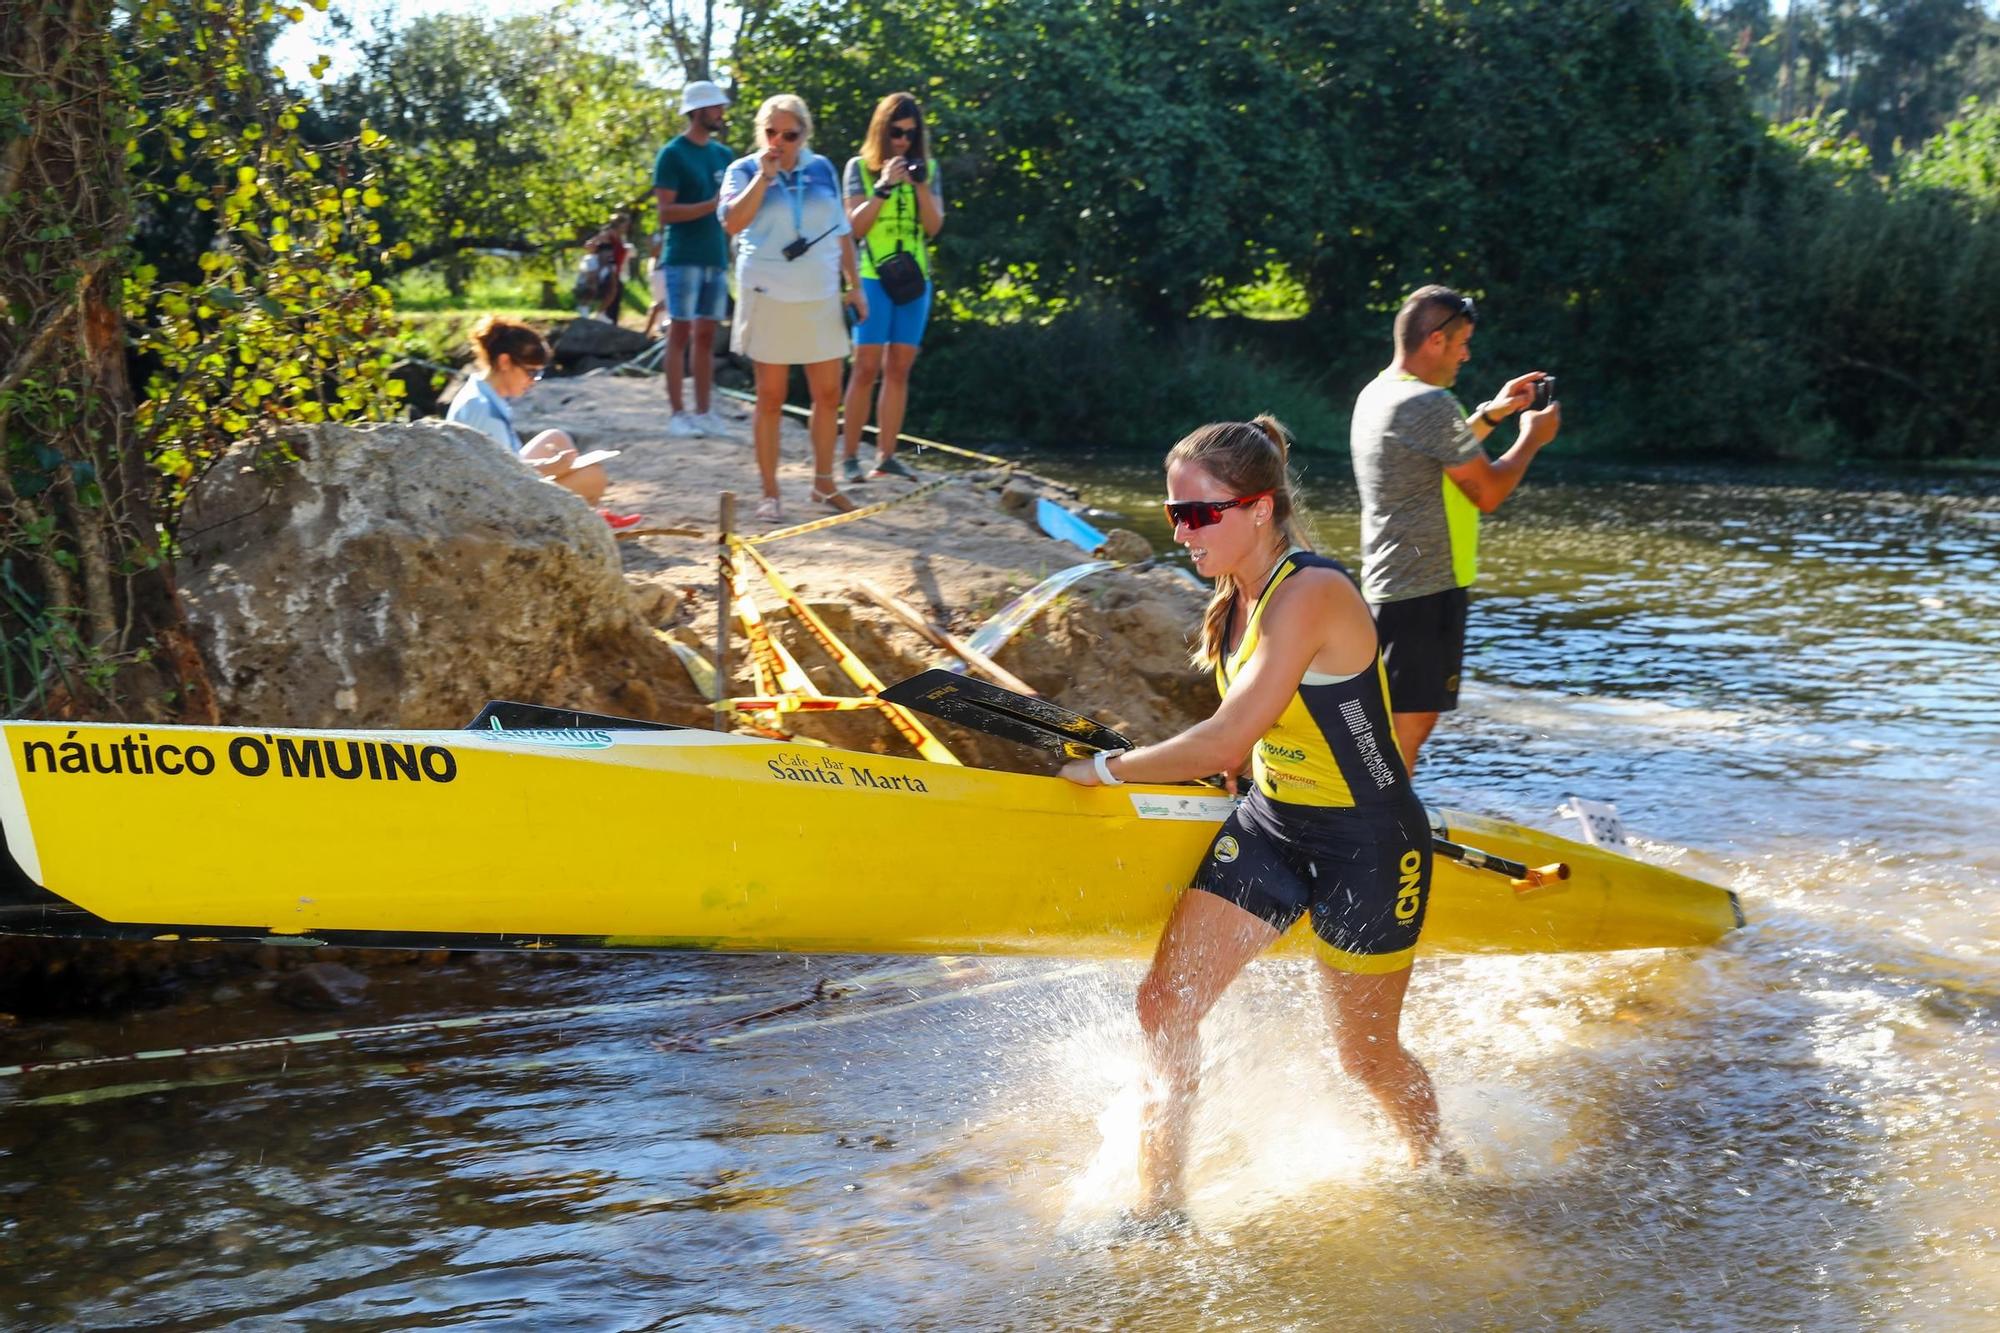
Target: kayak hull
point(678, 840)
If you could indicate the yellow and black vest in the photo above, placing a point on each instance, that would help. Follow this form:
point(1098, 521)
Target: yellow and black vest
point(1333, 746)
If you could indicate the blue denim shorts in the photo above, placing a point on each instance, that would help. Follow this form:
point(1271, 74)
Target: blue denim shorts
point(696, 292)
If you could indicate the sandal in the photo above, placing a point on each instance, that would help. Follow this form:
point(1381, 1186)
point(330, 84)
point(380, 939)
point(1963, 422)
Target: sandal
point(831, 497)
point(769, 510)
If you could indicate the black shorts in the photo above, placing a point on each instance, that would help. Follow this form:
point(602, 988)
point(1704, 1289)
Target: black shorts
point(1364, 874)
point(1423, 650)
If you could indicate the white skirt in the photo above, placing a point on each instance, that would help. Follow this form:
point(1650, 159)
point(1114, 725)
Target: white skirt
point(787, 333)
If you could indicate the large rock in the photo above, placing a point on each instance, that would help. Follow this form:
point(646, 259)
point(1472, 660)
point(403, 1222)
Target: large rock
point(401, 575)
point(599, 341)
point(1018, 498)
point(1125, 546)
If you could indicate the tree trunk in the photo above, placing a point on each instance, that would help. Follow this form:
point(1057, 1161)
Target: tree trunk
point(90, 621)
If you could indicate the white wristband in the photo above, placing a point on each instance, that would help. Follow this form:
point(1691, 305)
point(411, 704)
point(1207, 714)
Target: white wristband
point(1101, 761)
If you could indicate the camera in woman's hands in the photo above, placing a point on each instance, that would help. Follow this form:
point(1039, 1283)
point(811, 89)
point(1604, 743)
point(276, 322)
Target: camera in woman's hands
point(917, 168)
point(1545, 393)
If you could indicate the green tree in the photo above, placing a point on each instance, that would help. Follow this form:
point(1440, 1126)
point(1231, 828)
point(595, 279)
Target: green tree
point(1963, 159)
point(278, 324)
point(1151, 153)
point(1895, 69)
point(515, 134)
point(699, 33)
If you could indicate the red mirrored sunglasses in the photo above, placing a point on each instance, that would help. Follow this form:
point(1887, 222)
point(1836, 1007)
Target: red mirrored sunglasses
point(1202, 513)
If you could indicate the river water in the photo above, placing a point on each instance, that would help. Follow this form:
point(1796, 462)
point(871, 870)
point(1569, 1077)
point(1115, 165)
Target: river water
point(1785, 684)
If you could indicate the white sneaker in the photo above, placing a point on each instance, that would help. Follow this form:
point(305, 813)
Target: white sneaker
point(713, 423)
point(683, 425)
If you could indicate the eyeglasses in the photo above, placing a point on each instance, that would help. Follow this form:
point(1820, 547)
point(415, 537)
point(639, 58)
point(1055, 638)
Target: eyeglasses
point(902, 131)
point(535, 373)
point(1465, 310)
point(773, 132)
point(1204, 513)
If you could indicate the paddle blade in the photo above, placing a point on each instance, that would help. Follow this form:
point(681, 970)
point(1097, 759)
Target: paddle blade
point(981, 706)
point(506, 715)
point(1005, 623)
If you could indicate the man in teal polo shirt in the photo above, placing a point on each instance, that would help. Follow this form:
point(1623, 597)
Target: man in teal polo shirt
point(1425, 479)
point(687, 182)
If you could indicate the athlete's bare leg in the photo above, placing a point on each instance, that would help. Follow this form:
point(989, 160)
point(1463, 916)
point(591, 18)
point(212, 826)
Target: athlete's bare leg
point(772, 380)
point(1206, 944)
point(1365, 1013)
point(702, 356)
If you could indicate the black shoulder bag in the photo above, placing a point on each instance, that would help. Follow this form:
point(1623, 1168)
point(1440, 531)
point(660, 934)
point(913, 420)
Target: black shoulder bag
point(902, 278)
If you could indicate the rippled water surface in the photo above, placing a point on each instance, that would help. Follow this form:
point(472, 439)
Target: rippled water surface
point(1792, 688)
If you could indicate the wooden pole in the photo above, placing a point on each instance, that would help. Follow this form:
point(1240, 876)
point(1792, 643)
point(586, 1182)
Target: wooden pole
point(944, 639)
point(725, 526)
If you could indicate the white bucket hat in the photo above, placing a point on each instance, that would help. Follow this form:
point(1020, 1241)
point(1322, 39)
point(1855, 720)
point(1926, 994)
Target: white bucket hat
point(701, 93)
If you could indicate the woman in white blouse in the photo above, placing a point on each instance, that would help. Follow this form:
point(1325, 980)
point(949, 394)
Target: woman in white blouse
point(794, 253)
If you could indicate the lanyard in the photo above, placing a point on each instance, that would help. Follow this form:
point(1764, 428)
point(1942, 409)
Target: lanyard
point(795, 193)
point(797, 198)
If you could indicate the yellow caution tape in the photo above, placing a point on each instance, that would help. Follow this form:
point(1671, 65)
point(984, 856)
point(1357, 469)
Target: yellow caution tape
point(835, 520)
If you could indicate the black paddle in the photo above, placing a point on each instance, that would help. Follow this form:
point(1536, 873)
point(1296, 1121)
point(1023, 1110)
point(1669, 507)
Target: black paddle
point(982, 706)
point(1001, 712)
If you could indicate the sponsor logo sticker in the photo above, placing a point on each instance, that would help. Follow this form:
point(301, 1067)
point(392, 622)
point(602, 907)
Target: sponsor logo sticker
point(1207, 809)
point(562, 738)
point(1226, 849)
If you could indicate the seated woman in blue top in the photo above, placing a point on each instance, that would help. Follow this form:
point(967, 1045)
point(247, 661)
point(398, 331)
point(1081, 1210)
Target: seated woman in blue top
point(508, 359)
point(794, 252)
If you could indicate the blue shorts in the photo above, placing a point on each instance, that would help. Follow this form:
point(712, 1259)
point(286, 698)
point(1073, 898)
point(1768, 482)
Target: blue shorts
point(696, 292)
point(888, 322)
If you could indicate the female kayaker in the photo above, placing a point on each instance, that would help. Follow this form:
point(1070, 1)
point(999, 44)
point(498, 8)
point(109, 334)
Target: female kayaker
point(1330, 828)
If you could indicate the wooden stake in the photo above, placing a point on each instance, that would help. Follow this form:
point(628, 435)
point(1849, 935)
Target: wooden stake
point(725, 523)
point(944, 638)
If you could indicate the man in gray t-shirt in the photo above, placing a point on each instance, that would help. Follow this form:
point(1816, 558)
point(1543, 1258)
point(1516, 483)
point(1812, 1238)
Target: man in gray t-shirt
point(1424, 480)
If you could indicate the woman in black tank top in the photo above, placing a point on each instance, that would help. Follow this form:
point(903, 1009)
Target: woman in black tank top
point(1331, 829)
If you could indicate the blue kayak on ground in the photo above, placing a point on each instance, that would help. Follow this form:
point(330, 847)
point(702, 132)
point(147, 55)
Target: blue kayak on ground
point(1064, 526)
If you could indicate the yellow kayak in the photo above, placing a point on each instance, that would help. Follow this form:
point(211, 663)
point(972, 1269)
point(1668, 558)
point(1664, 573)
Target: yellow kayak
point(504, 839)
